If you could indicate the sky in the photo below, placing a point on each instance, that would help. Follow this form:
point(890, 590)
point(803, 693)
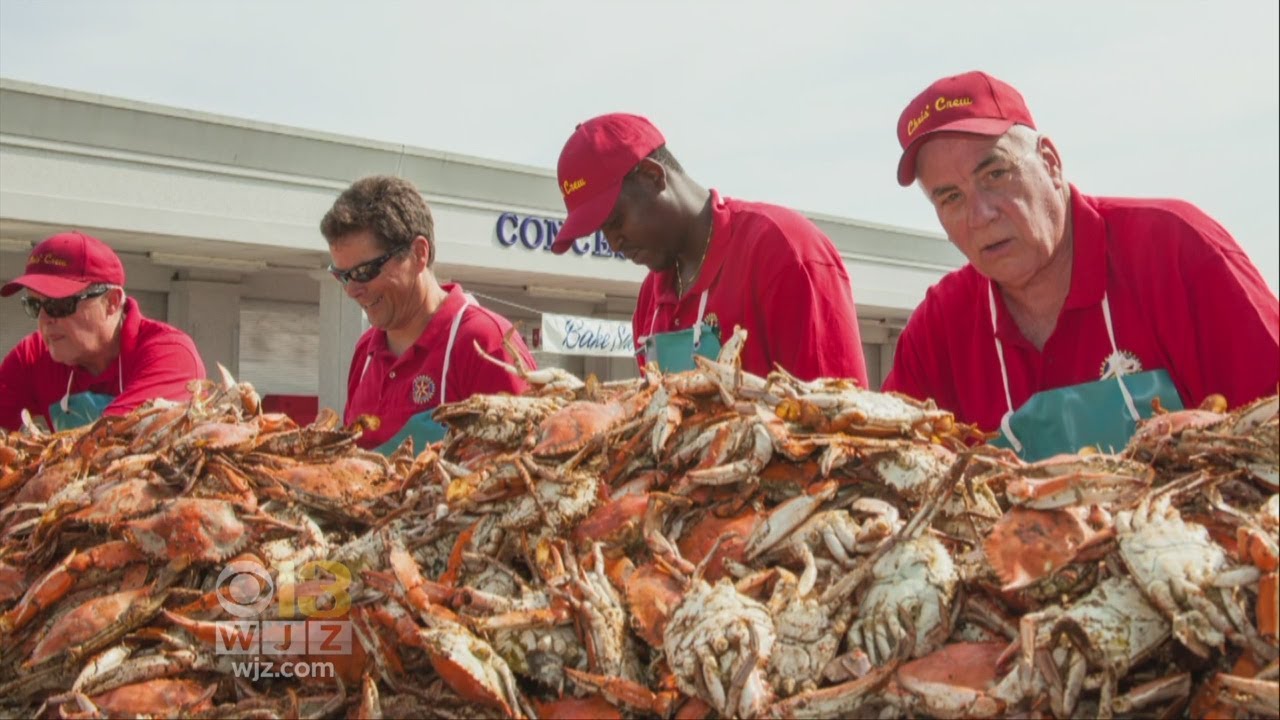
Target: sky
point(788, 102)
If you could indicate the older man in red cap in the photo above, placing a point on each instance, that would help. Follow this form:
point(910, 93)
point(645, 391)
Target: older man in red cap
point(1074, 311)
point(714, 262)
point(93, 353)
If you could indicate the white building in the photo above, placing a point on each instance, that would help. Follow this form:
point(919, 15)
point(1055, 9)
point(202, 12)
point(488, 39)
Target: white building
point(217, 219)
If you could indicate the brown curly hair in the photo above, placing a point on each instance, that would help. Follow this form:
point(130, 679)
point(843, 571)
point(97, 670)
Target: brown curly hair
point(390, 207)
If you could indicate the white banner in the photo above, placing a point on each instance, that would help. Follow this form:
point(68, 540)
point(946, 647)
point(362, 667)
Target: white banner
point(573, 335)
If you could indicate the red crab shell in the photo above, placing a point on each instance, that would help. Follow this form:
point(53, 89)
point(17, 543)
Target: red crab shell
point(1027, 545)
point(594, 707)
point(13, 582)
point(699, 540)
point(125, 499)
point(84, 622)
point(652, 594)
point(348, 478)
point(154, 698)
point(570, 428)
point(959, 674)
point(190, 530)
point(46, 483)
point(222, 436)
point(616, 523)
point(573, 426)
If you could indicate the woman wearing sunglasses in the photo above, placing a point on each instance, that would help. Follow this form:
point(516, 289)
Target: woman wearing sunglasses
point(420, 351)
point(93, 353)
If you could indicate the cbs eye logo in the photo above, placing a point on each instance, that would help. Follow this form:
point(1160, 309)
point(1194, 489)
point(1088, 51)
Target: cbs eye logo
point(244, 589)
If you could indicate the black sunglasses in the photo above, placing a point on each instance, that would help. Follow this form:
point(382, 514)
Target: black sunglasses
point(58, 307)
point(366, 271)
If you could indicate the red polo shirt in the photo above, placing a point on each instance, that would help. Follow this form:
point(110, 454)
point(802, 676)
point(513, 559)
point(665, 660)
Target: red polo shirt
point(397, 388)
point(773, 272)
point(156, 361)
point(1184, 297)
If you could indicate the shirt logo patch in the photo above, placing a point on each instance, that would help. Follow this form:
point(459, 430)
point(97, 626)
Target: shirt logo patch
point(424, 388)
point(1120, 362)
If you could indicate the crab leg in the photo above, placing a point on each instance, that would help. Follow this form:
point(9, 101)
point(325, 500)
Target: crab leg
point(1149, 693)
point(759, 454)
point(1257, 697)
point(661, 546)
point(785, 518)
point(626, 693)
point(844, 700)
point(547, 378)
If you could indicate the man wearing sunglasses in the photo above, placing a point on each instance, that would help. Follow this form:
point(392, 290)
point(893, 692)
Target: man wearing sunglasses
point(93, 352)
point(420, 352)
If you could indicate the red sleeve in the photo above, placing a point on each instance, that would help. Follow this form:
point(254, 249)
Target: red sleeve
point(1236, 320)
point(359, 357)
point(642, 318)
point(812, 326)
point(902, 377)
point(163, 370)
point(17, 386)
point(911, 373)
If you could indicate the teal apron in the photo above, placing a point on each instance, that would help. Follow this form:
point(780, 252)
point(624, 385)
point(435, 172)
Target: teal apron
point(1103, 414)
point(81, 409)
point(674, 351)
point(78, 410)
point(421, 427)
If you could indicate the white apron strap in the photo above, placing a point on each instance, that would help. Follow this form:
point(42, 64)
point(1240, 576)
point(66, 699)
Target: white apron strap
point(697, 323)
point(65, 402)
point(368, 358)
point(1114, 363)
point(66, 396)
point(653, 321)
point(640, 341)
point(1004, 374)
point(448, 347)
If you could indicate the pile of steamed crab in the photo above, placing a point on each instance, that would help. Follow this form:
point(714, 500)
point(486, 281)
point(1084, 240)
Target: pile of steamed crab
point(707, 543)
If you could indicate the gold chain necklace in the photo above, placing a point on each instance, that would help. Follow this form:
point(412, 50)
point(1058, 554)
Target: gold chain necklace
point(680, 289)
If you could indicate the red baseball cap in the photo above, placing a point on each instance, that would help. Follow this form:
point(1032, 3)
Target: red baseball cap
point(66, 264)
point(973, 102)
point(598, 155)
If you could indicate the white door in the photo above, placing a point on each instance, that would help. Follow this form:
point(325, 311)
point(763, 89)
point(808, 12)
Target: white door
point(280, 347)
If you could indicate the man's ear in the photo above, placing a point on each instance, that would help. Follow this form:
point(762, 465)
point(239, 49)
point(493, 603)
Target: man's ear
point(1048, 153)
point(421, 252)
point(115, 300)
point(652, 173)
